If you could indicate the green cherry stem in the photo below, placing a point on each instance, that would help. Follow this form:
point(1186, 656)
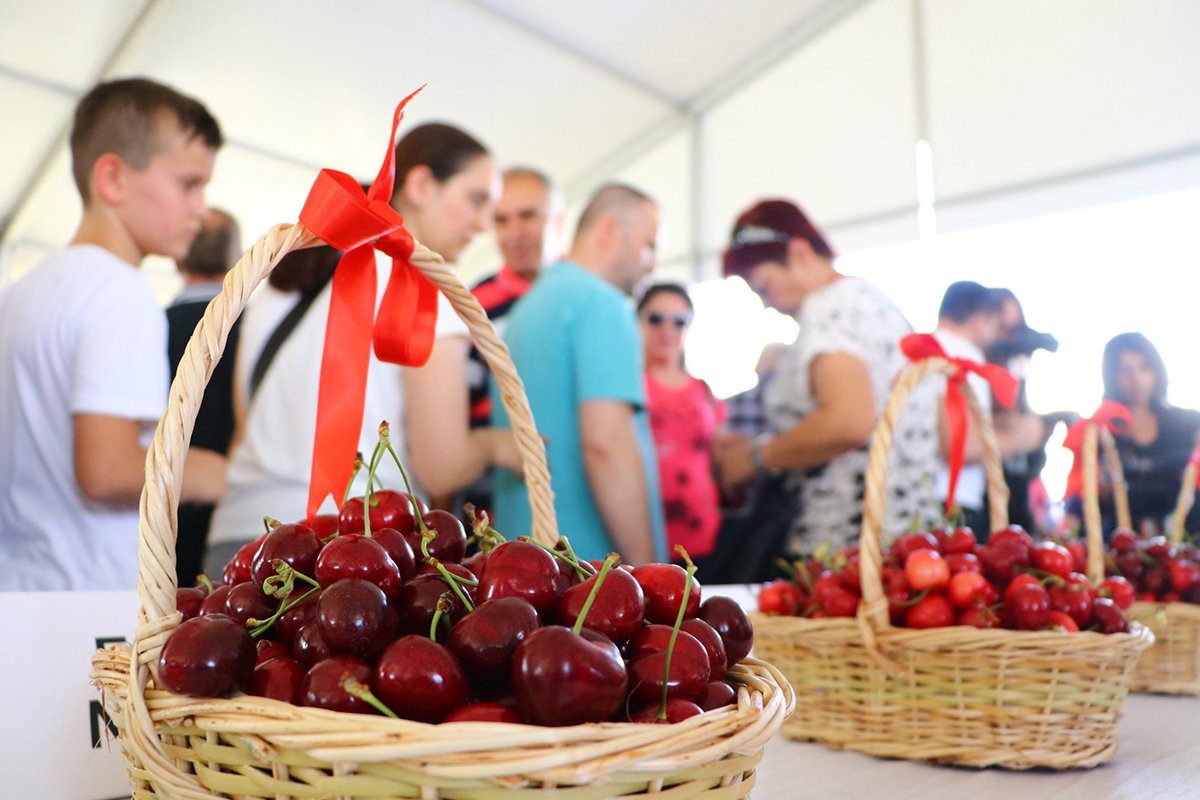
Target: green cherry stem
point(369, 497)
point(259, 627)
point(359, 463)
point(451, 579)
point(687, 593)
point(357, 689)
point(609, 563)
point(579, 570)
point(203, 580)
point(385, 440)
point(440, 612)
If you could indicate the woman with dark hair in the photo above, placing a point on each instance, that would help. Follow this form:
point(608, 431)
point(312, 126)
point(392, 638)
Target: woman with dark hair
point(830, 387)
point(684, 415)
point(1156, 444)
point(446, 182)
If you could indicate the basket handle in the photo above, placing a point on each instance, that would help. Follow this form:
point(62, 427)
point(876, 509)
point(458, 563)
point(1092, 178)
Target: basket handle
point(165, 459)
point(1098, 439)
point(1187, 496)
point(874, 603)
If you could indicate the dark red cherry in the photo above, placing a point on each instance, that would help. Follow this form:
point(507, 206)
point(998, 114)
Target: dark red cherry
point(647, 665)
point(288, 624)
point(188, 601)
point(324, 525)
point(729, 620)
point(238, 569)
point(486, 639)
point(266, 649)
point(323, 685)
point(520, 569)
point(355, 618)
point(420, 680)
point(449, 544)
point(246, 602)
point(707, 635)
point(716, 694)
point(563, 678)
point(279, 678)
point(214, 603)
point(352, 555)
point(677, 710)
point(396, 545)
point(209, 656)
point(416, 604)
point(295, 544)
point(389, 509)
point(484, 712)
point(617, 612)
point(663, 585)
point(309, 646)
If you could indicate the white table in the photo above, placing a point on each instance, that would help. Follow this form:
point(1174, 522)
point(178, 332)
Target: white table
point(1158, 759)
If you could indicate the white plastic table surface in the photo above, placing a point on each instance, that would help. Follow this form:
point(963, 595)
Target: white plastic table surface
point(1158, 759)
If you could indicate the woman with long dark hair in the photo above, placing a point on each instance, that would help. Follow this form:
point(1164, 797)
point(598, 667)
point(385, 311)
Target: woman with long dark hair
point(446, 183)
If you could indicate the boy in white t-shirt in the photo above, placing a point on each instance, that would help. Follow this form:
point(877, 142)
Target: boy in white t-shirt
point(83, 369)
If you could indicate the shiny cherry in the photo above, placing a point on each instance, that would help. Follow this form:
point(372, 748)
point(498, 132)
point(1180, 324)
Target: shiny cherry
point(718, 659)
point(677, 710)
point(246, 601)
point(729, 620)
point(208, 656)
point(663, 585)
point(188, 600)
point(520, 569)
point(309, 646)
point(214, 603)
point(397, 546)
point(355, 618)
point(238, 568)
point(353, 555)
point(716, 694)
point(279, 678)
point(389, 509)
point(420, 680)
point(617, 612)
point(295, 544)
point(484, 712)
point(486, 639)
point(323, 685)
point(564, 678)
point(416, 603)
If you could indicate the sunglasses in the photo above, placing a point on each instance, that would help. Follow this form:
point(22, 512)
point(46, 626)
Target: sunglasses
point(657, 318)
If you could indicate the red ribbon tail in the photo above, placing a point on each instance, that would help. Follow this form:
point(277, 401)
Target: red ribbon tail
point(347, 353)
point(956, 421)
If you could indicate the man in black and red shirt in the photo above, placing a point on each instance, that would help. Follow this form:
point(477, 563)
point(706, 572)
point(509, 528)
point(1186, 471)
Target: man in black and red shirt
point(528, 223)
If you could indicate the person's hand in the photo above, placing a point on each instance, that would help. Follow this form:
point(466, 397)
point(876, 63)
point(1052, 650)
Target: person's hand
point(501, 447)
point(731, 456)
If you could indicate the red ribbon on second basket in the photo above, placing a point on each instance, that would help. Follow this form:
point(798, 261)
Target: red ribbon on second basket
point(402, 331)
point(1111, 415)
point(919, 346)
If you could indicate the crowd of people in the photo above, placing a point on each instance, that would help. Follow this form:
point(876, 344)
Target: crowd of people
point(643, 456)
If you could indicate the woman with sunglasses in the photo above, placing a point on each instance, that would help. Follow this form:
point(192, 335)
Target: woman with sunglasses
point(684, 415)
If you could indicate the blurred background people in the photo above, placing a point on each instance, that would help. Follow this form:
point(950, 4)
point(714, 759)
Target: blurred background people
point(574, 340)
point(684, 416)
point(446, 183)
point(1154, 447)
point(829, 390)
point(213, 253)
point(528, 221)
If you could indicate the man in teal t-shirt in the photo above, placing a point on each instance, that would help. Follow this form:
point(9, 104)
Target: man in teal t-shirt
point(575, 342)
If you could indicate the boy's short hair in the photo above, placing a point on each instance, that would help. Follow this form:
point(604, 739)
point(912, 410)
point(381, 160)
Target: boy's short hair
point(122, 117)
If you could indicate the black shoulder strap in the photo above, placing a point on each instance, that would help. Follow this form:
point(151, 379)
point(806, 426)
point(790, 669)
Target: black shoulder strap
point(278, 337)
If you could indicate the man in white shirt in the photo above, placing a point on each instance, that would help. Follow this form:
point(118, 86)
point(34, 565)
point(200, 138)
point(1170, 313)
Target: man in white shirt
point(969, 323)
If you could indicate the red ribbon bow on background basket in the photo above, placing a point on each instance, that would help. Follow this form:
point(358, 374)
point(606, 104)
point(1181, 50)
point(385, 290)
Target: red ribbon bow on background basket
point(1111, 415)
point(919, 346)
point(345, 218)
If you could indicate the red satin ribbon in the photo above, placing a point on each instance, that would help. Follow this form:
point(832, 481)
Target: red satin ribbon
point(919, 346)
point(1194, 461)
point(1111, 415)
point(402, 331)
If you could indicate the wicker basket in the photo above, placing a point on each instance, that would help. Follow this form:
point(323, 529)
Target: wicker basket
point(1172, 665)
point(957, 695)
point(251, 747)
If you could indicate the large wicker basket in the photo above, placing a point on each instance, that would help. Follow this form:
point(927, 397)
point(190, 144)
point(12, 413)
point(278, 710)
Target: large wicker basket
point(1172, 665)
point(250, 747)
point(957, 695)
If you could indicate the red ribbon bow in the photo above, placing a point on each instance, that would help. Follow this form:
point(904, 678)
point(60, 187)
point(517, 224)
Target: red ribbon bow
point(1111, 415)
point(919, 346)
point(343, 217)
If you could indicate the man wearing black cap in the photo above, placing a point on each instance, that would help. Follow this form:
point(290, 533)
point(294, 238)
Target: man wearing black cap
point(969, 322)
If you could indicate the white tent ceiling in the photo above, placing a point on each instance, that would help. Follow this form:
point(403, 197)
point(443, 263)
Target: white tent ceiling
point(1029, 106)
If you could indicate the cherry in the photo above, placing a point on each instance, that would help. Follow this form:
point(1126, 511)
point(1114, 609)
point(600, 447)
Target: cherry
point(214, 603)
point(689, 665)
point(484, 712)
point(486, 639)
point(617, 611)
point(324, 525)
point(397, 546)
point(266, 649)
point(449, 545)
point(246, 601)
point(188, 601)
point(1061, 621)
point(967, 588)
point(323, 685)
point(355, 619)
point(1053, 558)
point(933, 611)
point(1154, 580)
point(565, 678)
point(208, 656)
point(1119, 589)
point(961, 541)
point(1003, 559)
point(978, 616)
point(963, 562)
point(1108, 617)
point(718, 661)
point(908, 543)
point(294, 544)
point(1074, 601)
point(716, 694)
point(833, 597)
point(389, 509)
point(1024, 579)
point(677, 710)
point(279, 678)
point(417, 601)
point(520, 569)
point(662, 585)
point(310, 647)
point(353, 555)
point(1013, 534)
point(288, 624)
point(1027, 608)
point(1123, 540)
point(926, 569)
point(420, 680)
point(782, 597)
point(238, 568)
point(1183, 573)
point(476, 562)
point(1130, 564)
point(729, 620)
